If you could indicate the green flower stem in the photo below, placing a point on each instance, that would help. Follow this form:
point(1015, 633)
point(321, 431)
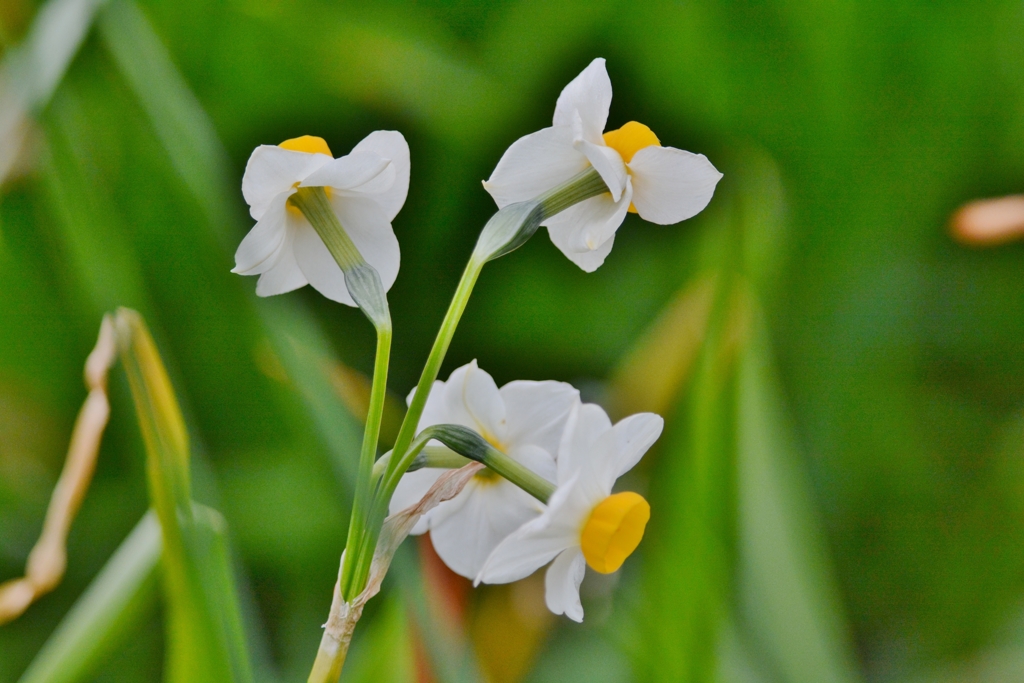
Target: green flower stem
point(583, 186)
point(507, 229)
point(514, 225)
point(364, 285)
point(362, 501)
point(363, 554)
point(437, 354)
point(326, 667)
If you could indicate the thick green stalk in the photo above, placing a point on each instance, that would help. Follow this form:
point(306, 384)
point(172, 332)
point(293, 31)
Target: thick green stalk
point(327, 669)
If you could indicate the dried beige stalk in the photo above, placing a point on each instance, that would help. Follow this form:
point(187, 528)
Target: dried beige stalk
point(48, 559)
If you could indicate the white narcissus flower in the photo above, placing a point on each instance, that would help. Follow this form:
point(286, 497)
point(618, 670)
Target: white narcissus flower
point(366, 189)
point(663, 184)
point(584, 523)
point(525, 420)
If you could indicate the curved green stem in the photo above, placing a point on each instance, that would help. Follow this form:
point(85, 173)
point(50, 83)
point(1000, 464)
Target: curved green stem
point(437, 354)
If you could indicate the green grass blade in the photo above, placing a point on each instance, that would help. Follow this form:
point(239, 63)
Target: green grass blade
point(451, 655)
point(30, 73)
point(219, 586)
point(204, 641)
point(687, 565)
point(105, 614)
point(180, 123)
point(787, 596)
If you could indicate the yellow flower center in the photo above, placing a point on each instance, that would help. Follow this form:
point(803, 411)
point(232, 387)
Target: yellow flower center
point(629, 140)
point(310, 144)
point(613, 530)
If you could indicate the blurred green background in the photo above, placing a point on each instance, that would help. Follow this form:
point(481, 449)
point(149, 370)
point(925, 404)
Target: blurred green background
point(839, 494)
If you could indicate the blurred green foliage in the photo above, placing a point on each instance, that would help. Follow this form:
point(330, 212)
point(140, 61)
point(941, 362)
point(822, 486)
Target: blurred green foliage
point(840, 490)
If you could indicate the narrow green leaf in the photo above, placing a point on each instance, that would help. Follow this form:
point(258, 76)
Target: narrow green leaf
point(105, 614)
point(219, 586)
point(448, 647)
point(161, 423)
point(204, 640)
point(178, 119)
point(787, 596)
point(31, 72)
point(688, 562)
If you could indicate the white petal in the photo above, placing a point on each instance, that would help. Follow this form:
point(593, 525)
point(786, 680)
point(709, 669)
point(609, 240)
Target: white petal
point(534, 164)
point(390, 144)
point(562, 584)
point(356, 172)
point(671, 185)
point(583, 232)
point(271, 171)
point(448, 406)
point(368, 226)
point(466, 529)
point(607, 162)
point(590, 94)
point(537, 412)
point(285, 275)
point(587, 422)
point(410, 490)
point(319, 266)
point(523, 552)
point(471, 392)
point(433, 409)
point(536, 543)
point(259, 249)
point(633, 436)
point(588, 261)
